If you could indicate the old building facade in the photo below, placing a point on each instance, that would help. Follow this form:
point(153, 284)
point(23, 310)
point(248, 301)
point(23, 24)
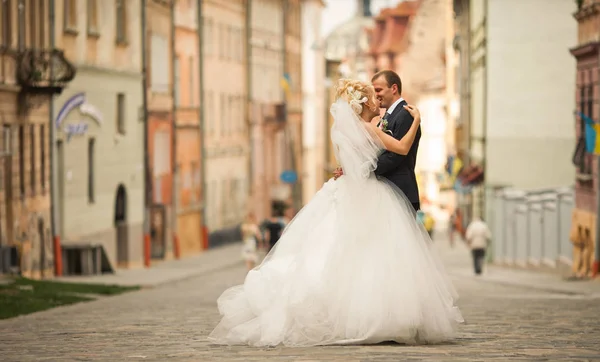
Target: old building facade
point(292, 73)
point(389, 37)
point(314, 118)
point(99, 133)
point(585, 214)
point(226, 130)
point(26, 91)
point(159, 38)
point(498, 148)
point(186, 100)
point(266, 104)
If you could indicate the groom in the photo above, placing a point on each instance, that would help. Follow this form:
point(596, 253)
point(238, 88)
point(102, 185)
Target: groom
point(399, 169)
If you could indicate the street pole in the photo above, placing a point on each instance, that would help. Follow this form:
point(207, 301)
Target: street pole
point(54, 202)
point(147, 179)
point(596, 263)
point(249, 97)
point(201, 115)
point(174, 167)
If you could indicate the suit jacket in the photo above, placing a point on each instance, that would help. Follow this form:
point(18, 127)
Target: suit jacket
point(400, 169)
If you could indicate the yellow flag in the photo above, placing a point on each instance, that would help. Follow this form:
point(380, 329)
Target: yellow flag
point(597, 145)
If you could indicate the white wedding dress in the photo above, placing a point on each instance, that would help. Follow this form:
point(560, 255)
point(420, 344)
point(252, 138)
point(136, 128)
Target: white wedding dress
point(353, 267)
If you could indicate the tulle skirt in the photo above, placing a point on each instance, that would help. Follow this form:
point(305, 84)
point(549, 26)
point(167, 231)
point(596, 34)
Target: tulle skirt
point(353, 267)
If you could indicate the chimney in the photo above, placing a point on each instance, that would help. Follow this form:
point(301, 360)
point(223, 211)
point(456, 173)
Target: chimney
point(363, 8)
point(366, 8)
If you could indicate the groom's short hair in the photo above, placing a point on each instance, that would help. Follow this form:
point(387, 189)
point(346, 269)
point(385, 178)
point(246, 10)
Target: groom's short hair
point(391, 78)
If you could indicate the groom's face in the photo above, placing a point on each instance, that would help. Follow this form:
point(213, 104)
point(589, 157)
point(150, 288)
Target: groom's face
point(383, 92)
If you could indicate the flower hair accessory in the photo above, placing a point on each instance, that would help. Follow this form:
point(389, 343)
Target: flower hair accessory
point(356, 101)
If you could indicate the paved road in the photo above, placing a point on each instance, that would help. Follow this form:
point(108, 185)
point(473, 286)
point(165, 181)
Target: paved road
point(170, 322)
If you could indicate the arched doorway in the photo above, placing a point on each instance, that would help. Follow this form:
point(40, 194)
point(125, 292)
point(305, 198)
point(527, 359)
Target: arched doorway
point(122, 242)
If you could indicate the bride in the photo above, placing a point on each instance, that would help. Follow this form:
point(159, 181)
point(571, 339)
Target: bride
point(353, 266)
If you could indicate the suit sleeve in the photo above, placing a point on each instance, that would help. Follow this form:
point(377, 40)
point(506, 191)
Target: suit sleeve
point(389, 160)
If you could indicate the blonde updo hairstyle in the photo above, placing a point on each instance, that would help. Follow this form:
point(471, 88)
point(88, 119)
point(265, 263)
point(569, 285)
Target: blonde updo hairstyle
point(358, 94)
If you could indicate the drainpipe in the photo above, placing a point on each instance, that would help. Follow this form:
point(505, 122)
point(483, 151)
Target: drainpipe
point(249, 97)
point(174, 166)
point(147, 179)
point(54, 201)
point(596, 264)
point(201, 115)
point(486, 34)
point(284, 69)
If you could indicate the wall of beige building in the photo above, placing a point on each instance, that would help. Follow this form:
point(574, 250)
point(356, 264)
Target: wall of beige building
point(266, 67)
point(314, 120)
point(227, 146)
point(100, 138)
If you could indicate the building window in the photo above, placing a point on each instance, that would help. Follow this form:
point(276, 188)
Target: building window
point(208, 35)
point(159, 59)
point(33, 23)
point(177, 81)
point(222, 106)
point(121, 22)
point(196, 181)
point(192, 82)
point(22, 161)
point(43, 157)
point(35, 13)
point(210, 109)
point(121, 113)
point(222, 41)
point(92, 17)
point(90, 175)
point(32, 170)
point(70, 15)
point(6, 140)
point(6, 22)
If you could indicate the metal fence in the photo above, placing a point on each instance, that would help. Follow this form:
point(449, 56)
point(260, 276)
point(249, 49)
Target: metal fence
point(530, 227)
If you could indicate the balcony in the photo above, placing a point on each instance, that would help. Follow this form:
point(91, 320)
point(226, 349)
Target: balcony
point(43, 71)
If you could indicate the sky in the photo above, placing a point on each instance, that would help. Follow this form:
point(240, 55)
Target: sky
point(338, 11)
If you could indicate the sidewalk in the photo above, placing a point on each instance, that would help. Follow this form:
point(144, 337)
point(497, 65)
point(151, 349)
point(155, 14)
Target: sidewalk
point(168, 271)
point(457, 261)
point(459, 264)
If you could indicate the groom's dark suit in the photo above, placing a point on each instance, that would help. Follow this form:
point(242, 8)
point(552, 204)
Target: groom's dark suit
point(400, 169)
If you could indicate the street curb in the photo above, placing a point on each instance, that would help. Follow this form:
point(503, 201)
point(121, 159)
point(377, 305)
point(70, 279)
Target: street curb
point(527, 286)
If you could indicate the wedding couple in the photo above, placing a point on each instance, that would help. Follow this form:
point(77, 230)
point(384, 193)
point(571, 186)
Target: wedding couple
point(354, 266)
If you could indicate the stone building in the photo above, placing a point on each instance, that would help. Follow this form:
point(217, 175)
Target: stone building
point(99, 135)
point(266, 103)
point(159, 38)
point(521, 140)
point(186, 98)
point(584, 225)
point(26, 90)
point(225, 95)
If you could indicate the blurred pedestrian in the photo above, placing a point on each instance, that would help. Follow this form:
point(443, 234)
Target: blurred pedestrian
point(273, 227)
point(252, 240)
point(456, 226)
point(478, 236)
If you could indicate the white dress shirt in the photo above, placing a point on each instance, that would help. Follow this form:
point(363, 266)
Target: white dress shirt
point(393, 106)
point(478, 234)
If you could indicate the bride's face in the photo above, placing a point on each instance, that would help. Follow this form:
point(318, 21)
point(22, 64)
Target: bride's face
point(371, 107)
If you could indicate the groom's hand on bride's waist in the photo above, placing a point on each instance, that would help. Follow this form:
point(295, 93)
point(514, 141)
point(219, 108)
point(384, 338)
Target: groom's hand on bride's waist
point(337, 173)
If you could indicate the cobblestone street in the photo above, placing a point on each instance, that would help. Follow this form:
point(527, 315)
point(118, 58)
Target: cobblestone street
point(171, 322)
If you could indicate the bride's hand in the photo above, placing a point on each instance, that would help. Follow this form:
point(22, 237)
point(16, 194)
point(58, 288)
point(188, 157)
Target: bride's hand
point(414, 111)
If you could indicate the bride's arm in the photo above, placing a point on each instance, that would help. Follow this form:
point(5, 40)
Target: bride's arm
point(403, 145)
